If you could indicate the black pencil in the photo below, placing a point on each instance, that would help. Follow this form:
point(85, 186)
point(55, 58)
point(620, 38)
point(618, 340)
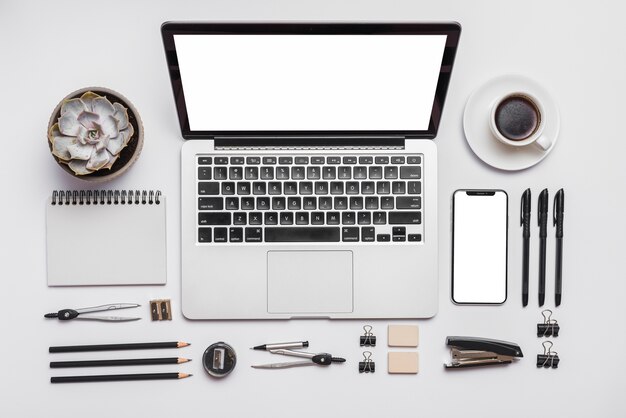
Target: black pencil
point(110, 347)
point(118, 377)
point(118, 362)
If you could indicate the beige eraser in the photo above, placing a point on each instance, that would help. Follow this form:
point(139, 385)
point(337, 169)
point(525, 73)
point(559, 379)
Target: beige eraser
point(403, 362)
point(403, 336)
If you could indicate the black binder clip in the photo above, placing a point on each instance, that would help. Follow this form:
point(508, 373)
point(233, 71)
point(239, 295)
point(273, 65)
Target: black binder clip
point(549, 358)
point(368, 339)
point(472, 352)
point(550, 327)
point(367, 365)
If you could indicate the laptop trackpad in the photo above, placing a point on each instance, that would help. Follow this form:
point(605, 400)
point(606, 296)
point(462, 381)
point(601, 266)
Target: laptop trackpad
point(309, 282)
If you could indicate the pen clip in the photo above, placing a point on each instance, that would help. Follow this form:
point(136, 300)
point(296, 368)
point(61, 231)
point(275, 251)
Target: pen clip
point(521, 209)
point(556, 197)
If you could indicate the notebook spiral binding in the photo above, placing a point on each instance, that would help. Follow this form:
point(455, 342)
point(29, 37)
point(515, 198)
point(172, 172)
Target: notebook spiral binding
point(106, 197)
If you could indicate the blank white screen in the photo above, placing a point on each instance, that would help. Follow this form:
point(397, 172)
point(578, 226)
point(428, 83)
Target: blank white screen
point(309, 82)
point(480, 248)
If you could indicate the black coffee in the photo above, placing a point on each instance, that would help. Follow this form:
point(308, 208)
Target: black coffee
point(517, 118)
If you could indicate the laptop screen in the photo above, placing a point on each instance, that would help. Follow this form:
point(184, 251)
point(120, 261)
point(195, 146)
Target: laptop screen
point(296, 82)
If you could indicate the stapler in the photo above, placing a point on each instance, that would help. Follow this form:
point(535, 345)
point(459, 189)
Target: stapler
point(472, 352)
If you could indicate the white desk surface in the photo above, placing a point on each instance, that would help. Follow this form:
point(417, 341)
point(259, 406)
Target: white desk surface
point(52, 48)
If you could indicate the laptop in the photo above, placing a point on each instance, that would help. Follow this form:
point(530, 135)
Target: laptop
point(309, 171)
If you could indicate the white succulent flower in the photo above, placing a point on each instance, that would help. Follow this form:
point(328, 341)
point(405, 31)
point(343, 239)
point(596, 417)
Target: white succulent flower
point(90, 133)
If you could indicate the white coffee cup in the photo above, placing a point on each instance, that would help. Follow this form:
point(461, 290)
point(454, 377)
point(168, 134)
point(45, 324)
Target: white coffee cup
point(530, 106)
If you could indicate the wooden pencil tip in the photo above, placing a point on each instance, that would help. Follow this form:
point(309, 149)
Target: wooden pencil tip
point(182, 344)
point(183, 360)
point(184, 375)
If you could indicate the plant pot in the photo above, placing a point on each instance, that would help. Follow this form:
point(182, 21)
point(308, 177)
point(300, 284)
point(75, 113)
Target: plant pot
point(127, 156)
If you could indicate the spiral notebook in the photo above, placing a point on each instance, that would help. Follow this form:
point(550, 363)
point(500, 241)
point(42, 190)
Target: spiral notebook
point(110, 237)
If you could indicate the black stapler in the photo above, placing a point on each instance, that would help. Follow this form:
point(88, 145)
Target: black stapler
point(472, 352)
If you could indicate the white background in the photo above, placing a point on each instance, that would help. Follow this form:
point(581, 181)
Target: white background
point(300, 82)
point(575, 49)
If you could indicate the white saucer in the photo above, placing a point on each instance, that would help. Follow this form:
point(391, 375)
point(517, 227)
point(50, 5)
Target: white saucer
point(483, 142)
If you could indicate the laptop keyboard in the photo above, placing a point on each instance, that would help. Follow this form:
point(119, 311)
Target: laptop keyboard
point(360, 198)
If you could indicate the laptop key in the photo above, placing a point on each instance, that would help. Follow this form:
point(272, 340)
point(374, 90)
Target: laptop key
point(210, 203)
point(204, 234)
point(252, 173)
point(408, 202)
point(356, 203)
point(258, 188)
point(414, 159)
point(352, 187)
point(291, 187)
point(285, 160)
point(302, 218)
point(232, 203)
point(360, 172)
point(415, 187)
point(278, 203)
point(367, 187)
point(383, 187)
point(256, 218)
point(333, 160)
point(282, 173)
point(328, 172)
point(415, 237)
point(253, 160)
point(411, 172)
point(364, 218)
point(267, 173)
point(317, 218)
point(379, 218)
point(397, 160)
point(236, 160)
point(220, 234)
point(247, 203)
point(269, 160)
point(205, 160)
point(271, 218)
point(348, 218)
point(220, 173)
point(381, 160)
point(321, 187)
point(214, 218)
point(368, 233)
point(349, 160)
point(306, 187)
point(275, 187)
point(341, 203)
point(345, 173)
point(236, 234)
point(243, 187)
point(297, 172)
point(391, 172)
point(386, 202)
point(313, 172)
point(309, 203)
point(332, 218)
point(325, 202)
point(240, 218)
point(204, 173)
point(208, 188)
point(294, 203)
point(254, 234)
point(366, 160)
point(286, 218)
point(376, 172)
point(228, 187)
point(336, 187)
point(302, 160)
point(235, 173)
point(221, 160)
point(383, 237)
point(405, 217)
point(302, 234)
point(350, 234)
point(398, 187)
point(317, 160)
point(371, 202)
point(263, 203)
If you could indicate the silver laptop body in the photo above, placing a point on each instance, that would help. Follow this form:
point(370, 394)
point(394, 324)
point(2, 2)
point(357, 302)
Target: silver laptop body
point(298, 199)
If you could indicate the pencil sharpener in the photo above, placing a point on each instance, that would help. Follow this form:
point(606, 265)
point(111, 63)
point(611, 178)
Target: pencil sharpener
point(219, 359)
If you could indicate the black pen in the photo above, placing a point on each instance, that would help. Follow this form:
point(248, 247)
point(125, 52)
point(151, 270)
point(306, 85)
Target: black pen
point(557, 210)
point(542, 219)
point(525, 223)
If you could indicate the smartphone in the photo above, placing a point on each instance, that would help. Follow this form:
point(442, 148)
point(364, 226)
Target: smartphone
point(479, 246)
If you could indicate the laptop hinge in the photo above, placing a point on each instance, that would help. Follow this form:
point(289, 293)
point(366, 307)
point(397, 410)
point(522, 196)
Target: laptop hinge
point(310, 142)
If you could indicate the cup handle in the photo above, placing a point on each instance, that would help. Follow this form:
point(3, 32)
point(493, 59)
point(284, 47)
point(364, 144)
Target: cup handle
point(543, 142)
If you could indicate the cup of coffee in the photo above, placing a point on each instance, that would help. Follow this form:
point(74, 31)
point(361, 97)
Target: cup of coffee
point(517, 119)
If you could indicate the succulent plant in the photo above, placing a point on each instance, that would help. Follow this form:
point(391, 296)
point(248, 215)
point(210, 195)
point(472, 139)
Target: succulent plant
point(90, 133)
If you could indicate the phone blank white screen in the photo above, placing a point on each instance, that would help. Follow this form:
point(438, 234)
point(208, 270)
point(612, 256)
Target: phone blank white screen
point(480, 248)
point(309, 82)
